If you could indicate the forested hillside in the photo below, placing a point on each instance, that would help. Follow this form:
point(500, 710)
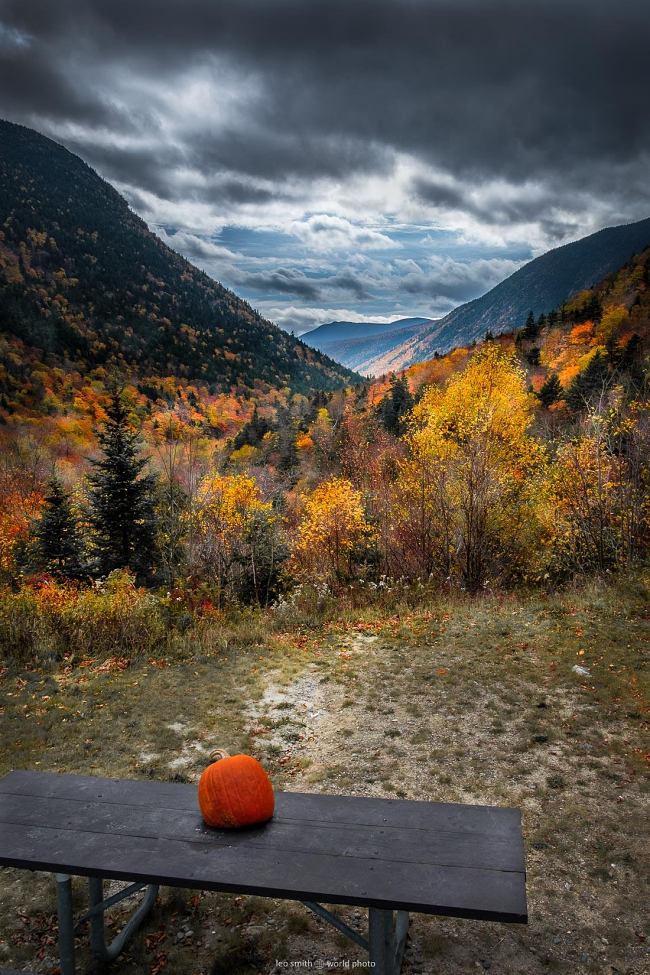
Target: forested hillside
point(541, 285)
point(597, 331)
point(524, 457)
point(84, 285)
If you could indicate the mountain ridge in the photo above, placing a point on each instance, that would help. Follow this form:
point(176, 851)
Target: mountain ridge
point(85, 283)
point(356, 344)
point(540, 285)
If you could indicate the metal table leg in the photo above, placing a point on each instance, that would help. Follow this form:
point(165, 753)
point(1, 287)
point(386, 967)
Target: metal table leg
point(66, 923)
point(98, 905)
point(387, 939)
point(95, 915)
point(387, 933)
point(401, 934)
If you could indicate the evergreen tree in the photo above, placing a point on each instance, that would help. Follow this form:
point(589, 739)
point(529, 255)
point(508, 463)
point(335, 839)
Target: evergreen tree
point(630, 355)
point(395, 405)
point(57, 546)
point(589, 384)
point(551, 390)
point(533, 356)
point(122, 499)
point(530, 330)
point(288, 430)
point(252, 432)
point(594, 308)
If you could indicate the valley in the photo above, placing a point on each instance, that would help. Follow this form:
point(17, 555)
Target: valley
point(403, 560)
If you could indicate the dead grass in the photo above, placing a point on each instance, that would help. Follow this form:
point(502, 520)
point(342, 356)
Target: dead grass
point(461, 700)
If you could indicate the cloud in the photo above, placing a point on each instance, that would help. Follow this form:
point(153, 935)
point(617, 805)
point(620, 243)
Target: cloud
point(327, 232)
point(11, 37)
point(192, 246)
point(343, 130)
point(455, 280)
point(292, 281)
point(298, 319)
point(283, 281)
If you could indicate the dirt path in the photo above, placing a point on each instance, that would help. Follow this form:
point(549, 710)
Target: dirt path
point(450, 718)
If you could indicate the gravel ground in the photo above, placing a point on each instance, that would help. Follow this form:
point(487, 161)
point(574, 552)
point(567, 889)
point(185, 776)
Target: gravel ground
point(467, 701)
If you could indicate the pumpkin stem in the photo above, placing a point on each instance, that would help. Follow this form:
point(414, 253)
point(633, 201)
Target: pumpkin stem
point(218, 753)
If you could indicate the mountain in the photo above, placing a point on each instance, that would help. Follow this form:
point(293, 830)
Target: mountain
point(540, 286)
point(358, 344)
point(338, 331)
point(602, 336)
point(85, 285)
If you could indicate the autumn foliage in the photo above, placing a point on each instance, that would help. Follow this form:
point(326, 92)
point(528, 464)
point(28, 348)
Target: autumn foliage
point(522, 461)
point(332, 527)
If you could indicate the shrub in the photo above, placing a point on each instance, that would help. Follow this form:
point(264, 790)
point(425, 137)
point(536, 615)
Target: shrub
point(48, 620)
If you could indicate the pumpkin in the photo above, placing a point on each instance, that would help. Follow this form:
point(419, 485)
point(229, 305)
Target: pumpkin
point(235, 791)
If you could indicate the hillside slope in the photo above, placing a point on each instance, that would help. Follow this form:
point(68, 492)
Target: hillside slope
point(84, 284)
point(609, 322)
point(541, 285)
point(359, 344)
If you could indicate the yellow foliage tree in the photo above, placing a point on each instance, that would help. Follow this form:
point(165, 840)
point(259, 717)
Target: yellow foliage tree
point(332, 526)
point(227, 508)
point(465, 493)
point(600, 491)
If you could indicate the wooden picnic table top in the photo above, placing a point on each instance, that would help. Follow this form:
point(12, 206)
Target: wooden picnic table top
point(430, 857)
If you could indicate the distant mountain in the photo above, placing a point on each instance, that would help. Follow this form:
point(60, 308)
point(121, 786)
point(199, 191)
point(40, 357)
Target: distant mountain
point(540, 286)
point(358, 344)
point(84, 284)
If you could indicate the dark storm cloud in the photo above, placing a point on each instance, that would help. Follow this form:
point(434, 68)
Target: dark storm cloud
point(283, 281)
point(479, 88)
point(530, 206)
point(351, 283)
point(291, 281)
point(453, 280)
point(334, 125)
point(274, 150)
point(33, 85)
point(137, 166)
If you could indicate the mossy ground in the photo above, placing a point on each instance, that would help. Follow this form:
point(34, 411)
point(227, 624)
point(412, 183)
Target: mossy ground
point(460, 700)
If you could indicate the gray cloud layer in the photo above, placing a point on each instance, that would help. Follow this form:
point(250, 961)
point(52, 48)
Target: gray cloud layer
point(496, 119)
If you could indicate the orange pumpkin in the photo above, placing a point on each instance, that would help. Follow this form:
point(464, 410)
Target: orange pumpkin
point(235, 791)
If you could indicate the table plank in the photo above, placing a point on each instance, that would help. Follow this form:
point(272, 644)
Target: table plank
point(461, 892)
point(449, 847)
point(365, 811)
point(80, 827)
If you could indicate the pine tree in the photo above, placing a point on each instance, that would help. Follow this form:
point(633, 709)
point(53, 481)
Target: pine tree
point(551, 390)
point(589, 384)
point(395, 405)
point(533, 356)
point(57, 546)
point(122, 499)
point(287, 452)
point(530, 329)
point(252, 432)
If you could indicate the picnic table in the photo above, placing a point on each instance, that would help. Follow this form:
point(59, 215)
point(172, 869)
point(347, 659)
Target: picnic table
point(391, 856)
